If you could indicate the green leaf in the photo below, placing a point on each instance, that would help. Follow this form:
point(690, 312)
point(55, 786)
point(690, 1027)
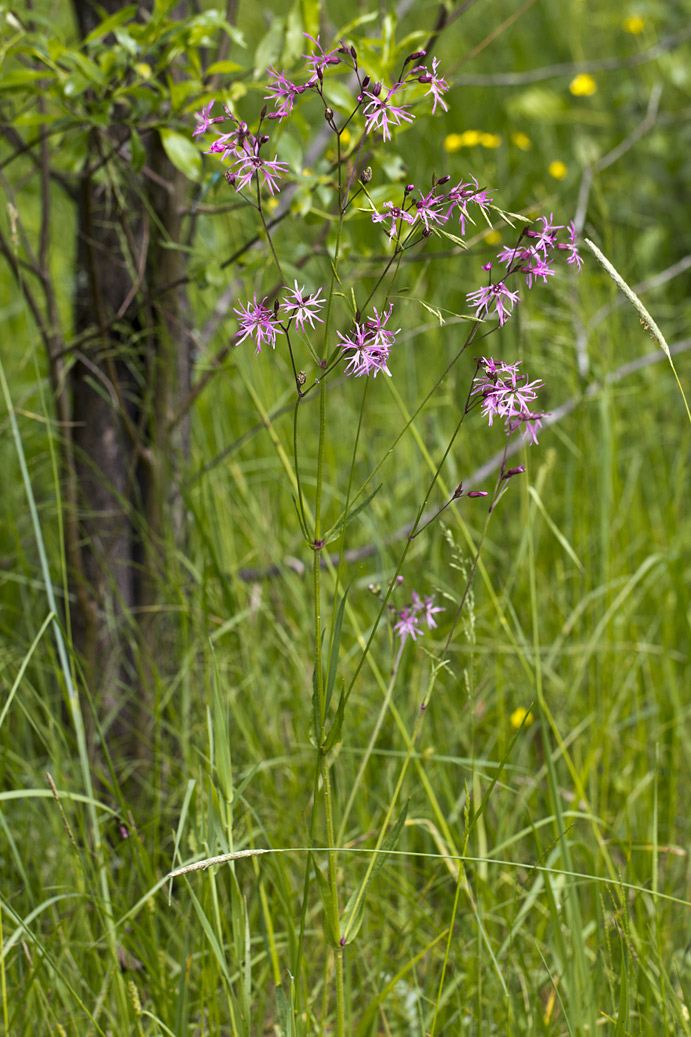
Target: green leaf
point(109, 24)
point(344, 519)
point(327, 903)
point(310, 17)
point(336, 730)
point(352, 916)
point(220, 67)
point(138, 152)
point(184, 155)
point(335, 646)
point(269, 49)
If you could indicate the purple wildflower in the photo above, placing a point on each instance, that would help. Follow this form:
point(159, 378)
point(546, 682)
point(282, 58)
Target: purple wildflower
point(427, 607)
point(259, 322)
point(283, 93)
point(250, 162)
point(369, 345)
point(545, 239)
point(498, 297)
point(303, 308)
point(204, 119)
point(463, 194)
point(237, 142)
point(318, 63)
point(427, 209)
point(378, 111)
point(394, 214)
point(507, 394)
point(574, 257)
point(408, 625)
point(437, 86)
point(540, 268)
point(409, 618)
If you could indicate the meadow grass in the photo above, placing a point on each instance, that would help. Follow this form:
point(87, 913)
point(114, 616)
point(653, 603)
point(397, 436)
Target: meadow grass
point(537, 879)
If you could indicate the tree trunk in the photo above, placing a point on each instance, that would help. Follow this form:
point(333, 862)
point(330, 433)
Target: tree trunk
point(128, 378)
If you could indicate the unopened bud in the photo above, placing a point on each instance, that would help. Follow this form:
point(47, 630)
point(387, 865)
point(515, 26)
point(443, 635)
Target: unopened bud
point(376, 89)
point(263, 112)
point(409, 188)
point(366, 82)
point(353, 54)
point(514, 471)
point(366, 175)
point(477, 493)
point(302, 378)
point(443, 180)
point(263, 140)
point(458, 492)
point(329, 114)
point(230, 177)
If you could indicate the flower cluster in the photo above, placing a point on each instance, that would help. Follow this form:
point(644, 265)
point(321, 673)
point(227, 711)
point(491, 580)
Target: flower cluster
point(409, 620)
point(262, 323)
point(509, 395)
point(434, 208)
point(379, 105)
point(367, 346)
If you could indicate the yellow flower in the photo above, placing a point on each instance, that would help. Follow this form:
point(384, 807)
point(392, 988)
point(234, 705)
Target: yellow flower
point(557, 169)
point(583, 85)
point(522, 141)
point(490, 140)
point(346, 137)
point(470, 139)
point(634, 24)
point(453, 142)
point(492, 237)
point(518, 716)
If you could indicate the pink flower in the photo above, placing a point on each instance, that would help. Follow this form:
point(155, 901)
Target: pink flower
point(427, 209)
point(250, 162)
point(318, 63)
point(463, 194)
point(378, 111)
point(409, 618)
point(283, 93)
point(571, 248)
point(394, 214)
point(259, 322)
point(437, 86)
point(494, 296)
point(302, 308)
point(508, 395)
point(369, 345)
point(204, 119)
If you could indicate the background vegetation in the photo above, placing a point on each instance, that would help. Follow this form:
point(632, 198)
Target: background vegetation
point(540, 884)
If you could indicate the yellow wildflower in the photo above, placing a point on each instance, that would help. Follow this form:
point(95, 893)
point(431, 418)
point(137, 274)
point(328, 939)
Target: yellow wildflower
point(492, 237)
point(634, 24)
point(490, 140)
point(520, 715)
point(582, 85)
point(522, 141)
point(345, 138)
point(453, 142)
point(557, 169)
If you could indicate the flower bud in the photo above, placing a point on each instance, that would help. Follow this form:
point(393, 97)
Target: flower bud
point(366, 175)
point(443, 180)
point(329, 114)
point(477, 493)
point(263, 140)
point(302, 378)
point(366, 82)
point(458, 492)
point(376, 89)
point(514, 471)
point(230, 177)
